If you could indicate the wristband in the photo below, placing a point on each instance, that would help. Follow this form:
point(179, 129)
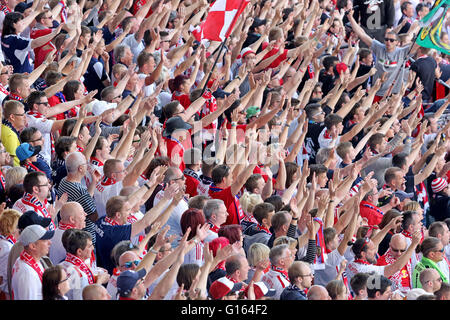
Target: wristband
point(295, 219)
point(233, 124)
point(153, 250)
point(146, 185)
point(237, 77)
point(132, 95)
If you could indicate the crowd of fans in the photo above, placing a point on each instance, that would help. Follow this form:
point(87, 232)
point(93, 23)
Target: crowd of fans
point(305, 159)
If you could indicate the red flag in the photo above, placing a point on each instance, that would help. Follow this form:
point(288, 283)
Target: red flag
point(221, 19)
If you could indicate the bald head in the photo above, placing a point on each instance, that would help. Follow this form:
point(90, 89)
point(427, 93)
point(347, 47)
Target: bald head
point(95, 292)
point(398, 245)
point(317, 292)
point(73, 213)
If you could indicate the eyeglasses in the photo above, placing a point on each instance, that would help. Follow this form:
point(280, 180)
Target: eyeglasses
point(390, 39)
point(19, 114)
point(64, 280)
point(44, 103)
point(306, 275)
point(3, 151)
point(398, 250)
point(180, 178)
point(38, 139)
point(129, 264)
point(318, 113)
point(44, 185)
point(178, 113)
point(134, 141)
point(116, 97)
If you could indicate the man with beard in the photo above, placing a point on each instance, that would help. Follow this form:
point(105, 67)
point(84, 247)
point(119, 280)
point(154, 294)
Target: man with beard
point(365, 250)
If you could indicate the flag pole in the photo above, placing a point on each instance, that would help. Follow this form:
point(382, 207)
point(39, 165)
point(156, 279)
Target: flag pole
point(227, 34)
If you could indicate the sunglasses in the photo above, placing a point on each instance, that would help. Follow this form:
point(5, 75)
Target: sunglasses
point(390, 39)
point(398, 250)
point(442, 250)
point(129, 264)
point(64, 280)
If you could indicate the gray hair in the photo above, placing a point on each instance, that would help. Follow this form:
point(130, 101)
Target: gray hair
point(211, 207)
point(119, 52)
point(74, 160)
point(170, 174)
point(276, 253)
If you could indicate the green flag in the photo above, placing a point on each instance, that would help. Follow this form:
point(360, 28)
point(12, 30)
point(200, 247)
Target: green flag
point(430, 34)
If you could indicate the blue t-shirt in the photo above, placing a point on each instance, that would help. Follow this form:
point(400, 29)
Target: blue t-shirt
point(16, 50)
point(107, 237)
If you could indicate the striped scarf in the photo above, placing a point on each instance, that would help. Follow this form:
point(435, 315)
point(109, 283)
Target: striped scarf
point(29, 260)
point(321, 256)
point(38, 206)
point(80, 265)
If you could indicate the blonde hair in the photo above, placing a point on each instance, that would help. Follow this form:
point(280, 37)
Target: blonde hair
point(257, 252)
point(8, 221)
point(248, 201)
point(411, 206)
point(285, 240)
point(14, 176)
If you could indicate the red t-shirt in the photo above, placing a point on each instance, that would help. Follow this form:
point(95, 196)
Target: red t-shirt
point(191, 185)
point(372, 213)
point(174, 146)
point(41, 52)
point(274, 51)
point(403, 274)
point(235, 212)
point(183, 99)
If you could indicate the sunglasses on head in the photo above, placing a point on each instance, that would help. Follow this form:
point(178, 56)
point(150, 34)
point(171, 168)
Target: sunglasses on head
point(129, 264)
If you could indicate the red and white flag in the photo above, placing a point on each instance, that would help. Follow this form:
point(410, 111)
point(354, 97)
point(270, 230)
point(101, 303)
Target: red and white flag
point(220, 21)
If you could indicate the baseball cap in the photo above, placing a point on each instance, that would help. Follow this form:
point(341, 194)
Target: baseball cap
point(127, 280)
point(34, 233)
point(438, 184)
point(26, 150)
point(402, 195)
point(22, 6)
point(261, 290)
point(252, 111)
point(101, 106)
point(258, 22)
point(175, 123)
point(223, 286)
point(30, 217)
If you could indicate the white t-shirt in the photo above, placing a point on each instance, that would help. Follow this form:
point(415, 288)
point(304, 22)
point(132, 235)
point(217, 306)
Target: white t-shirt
point(195, 255)
point(5, 248)
point(25, 281)
point(78, 280)
point(322, 277)
point(112, 287)
point(103, 193)
point(136, 47)
point(45, 127)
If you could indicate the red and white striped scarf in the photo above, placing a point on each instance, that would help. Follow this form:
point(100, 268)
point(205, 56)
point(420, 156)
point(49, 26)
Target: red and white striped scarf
point(31, 167)
point(108, 181)
point(81, 265)
point(34, 202)
point(29, 260)
point(396, 277)
point(320, 242)
point(65, 226)
point(5, 9)
point(283, 272)
point(96, 162)
point(9, 238)
point(14, 96)
point(262, 228)
point(3, 89)
point(111, 222)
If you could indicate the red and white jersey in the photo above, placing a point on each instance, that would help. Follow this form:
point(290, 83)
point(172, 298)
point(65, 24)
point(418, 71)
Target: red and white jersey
point(275, 280)
point(356, 266)
point(30, 202)
point(105, 190)
point(26, 283)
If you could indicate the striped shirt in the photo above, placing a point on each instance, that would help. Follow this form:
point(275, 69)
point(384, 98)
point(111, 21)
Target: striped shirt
point(78, 193)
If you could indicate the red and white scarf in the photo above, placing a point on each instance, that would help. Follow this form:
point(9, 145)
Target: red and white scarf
point(3, 90)
point(31, 167)
point(107, 181)
point(283, 272)
point(81, 266)
point(9, 238)
point(388, 259)
point(65, 226)
point(14, 96)
point(96, 162)
point(29, 260)
point(111, 222)
point(262, 228)
point(320, 242)
point(32, 201)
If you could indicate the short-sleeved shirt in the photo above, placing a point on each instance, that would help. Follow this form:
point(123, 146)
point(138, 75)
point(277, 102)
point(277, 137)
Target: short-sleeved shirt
point(389, 62)
point(103, 192)
point(25, 282)
point(44, 125)
point(16, 50)
point(107, 237)
point(235, 212)
point(355, 267)
point(78, 193)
